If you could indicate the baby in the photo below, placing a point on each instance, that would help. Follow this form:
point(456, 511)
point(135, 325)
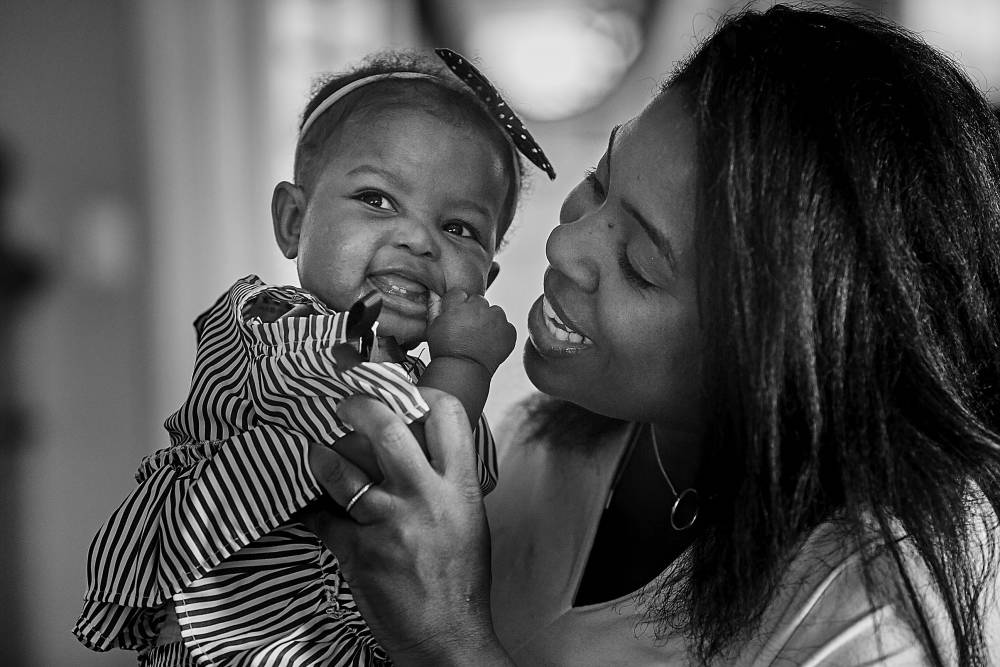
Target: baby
point(407, 175)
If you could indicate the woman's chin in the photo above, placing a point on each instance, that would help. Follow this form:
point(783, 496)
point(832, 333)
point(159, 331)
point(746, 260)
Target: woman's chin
point(534, 368)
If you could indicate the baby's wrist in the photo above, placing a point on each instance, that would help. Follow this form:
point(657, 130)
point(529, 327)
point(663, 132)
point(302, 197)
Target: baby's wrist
point(465, 362)
point(466, 379)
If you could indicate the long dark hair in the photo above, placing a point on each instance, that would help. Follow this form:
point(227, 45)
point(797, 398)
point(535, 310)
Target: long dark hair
point(849, 245)
point(848, 238)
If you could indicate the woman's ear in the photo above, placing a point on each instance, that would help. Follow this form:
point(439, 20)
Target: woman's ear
point(288, 208)
point(492, 275)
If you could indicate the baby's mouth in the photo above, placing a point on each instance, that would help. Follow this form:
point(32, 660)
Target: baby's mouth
point(395, 285)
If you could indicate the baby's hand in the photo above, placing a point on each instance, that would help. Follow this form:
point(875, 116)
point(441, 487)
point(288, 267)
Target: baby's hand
point(469, 327)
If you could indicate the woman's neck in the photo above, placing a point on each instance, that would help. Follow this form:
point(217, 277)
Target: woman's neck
point(635, 540)
point(679, 452)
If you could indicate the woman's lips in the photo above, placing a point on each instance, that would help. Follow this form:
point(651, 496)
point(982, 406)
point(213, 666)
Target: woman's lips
point(550, 334)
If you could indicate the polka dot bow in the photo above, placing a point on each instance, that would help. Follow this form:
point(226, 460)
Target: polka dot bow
point(502, 113)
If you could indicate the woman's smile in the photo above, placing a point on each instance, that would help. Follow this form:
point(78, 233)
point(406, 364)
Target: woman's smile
point(550, 335)
point(557, 327)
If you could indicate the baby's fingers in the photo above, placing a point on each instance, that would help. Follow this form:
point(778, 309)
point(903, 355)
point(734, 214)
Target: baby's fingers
point(454, 297)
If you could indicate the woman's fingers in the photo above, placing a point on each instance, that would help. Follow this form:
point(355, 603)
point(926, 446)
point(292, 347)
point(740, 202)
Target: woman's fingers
point(417, 559)
point(344, 482)
point(397, 451)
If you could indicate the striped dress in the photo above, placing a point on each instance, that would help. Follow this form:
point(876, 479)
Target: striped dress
point(209, 535)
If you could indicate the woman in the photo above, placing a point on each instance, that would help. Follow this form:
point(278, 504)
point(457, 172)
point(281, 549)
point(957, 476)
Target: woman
point(785, 274)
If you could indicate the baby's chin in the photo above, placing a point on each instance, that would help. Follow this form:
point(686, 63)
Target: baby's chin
point(408, 332)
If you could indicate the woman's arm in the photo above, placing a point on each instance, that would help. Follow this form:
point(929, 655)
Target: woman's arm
point(417, 552)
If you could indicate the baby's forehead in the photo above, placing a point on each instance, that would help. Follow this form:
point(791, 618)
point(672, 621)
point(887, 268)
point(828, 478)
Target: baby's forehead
point(395, 121)
point(425, 95)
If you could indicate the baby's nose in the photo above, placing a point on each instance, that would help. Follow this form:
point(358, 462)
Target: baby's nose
point(416, 236)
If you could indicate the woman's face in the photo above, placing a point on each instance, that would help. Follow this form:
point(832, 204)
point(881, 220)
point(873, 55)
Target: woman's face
point(616, 330)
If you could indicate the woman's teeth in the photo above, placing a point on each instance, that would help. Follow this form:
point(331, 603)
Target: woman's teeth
point(558, 328)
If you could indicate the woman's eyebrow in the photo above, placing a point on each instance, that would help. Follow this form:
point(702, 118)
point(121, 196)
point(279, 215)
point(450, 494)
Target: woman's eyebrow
point(658, 238)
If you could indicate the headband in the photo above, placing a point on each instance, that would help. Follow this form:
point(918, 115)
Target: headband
point(506, 119)
point(340, 93)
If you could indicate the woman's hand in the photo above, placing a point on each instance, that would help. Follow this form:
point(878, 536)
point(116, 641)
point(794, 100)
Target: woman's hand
point(416, 553)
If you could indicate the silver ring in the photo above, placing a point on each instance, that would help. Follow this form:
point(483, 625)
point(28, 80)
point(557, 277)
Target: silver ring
point(357, 496)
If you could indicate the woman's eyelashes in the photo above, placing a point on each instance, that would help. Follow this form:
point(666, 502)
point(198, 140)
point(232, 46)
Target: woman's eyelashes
point(631, 274)
point(596, 187)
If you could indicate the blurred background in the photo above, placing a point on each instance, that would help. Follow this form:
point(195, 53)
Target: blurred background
point(139, 144)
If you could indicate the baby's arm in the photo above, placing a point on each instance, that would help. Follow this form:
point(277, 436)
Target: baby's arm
point(467, 341)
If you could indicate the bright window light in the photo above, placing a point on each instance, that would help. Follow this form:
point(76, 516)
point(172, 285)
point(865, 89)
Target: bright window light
point(556, 62)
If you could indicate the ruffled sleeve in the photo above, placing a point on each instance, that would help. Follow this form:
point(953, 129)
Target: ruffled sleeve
point(297, 383)
point(195, 505)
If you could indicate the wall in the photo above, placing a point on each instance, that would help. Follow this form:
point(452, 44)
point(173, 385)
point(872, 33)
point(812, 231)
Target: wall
point(68, 121)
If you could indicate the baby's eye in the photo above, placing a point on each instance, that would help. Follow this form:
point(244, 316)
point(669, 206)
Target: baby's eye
point(375, 199)
point(460, 229)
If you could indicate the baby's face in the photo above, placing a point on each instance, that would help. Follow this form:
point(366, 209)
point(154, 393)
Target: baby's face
point(408, 203)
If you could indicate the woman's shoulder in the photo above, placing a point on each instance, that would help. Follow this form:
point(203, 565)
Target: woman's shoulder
point(847, 597)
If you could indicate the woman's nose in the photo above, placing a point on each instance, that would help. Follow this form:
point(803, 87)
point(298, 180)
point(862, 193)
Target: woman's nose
point(574, 249)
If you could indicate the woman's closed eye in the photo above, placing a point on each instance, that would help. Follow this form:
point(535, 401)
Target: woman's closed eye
point(632, 275)
point(376, 199)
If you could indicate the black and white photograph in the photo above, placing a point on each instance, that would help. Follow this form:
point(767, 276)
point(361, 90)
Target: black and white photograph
point(500, 333)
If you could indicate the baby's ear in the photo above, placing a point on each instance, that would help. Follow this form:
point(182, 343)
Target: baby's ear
point(288, 208)
point(492, 275)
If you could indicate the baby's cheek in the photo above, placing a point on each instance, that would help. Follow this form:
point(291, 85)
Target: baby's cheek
point(469, 276)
